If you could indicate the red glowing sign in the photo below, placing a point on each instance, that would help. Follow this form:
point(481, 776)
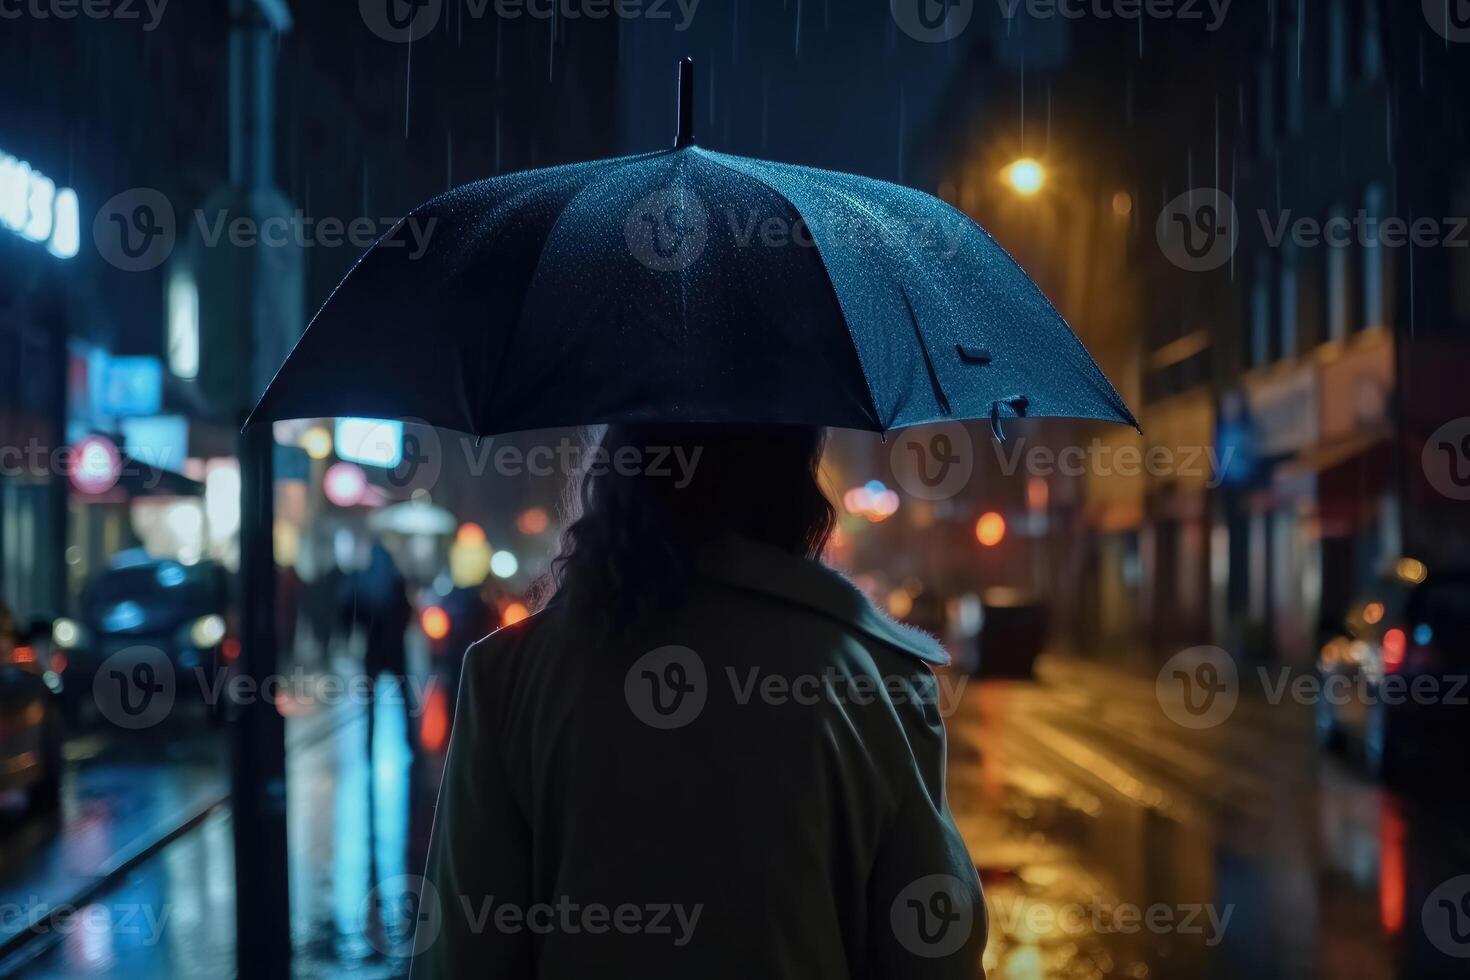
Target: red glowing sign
point(95, 465)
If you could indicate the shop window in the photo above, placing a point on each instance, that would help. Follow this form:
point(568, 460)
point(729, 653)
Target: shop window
point(1342, 246)
point(1289, 309)
point(1371, 36)
point(1460, 261)
point(1265, 107)
point(1377, 261)
point(1293, 79)
point(1260, 335)
point(1337, 51)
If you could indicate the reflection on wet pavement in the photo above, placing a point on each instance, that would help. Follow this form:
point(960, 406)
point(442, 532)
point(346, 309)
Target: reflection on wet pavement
point(1113, 843)
point(354, 824)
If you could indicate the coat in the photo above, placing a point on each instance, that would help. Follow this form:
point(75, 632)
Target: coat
point(750, 787)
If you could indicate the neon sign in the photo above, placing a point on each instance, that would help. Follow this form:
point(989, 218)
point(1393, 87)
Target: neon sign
point(32, 206)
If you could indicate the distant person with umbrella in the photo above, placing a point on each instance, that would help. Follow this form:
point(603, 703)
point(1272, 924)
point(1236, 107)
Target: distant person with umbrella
point(708, 755)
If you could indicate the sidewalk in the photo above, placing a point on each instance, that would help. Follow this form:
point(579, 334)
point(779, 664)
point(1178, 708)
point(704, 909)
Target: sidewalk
point(146, 793)
point(357, 821)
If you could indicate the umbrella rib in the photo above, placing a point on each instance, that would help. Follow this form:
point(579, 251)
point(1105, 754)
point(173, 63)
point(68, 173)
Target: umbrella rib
point(867, 382)
point(865, 208)
point(1090, 366)
point(596, 180)
point(924, 349)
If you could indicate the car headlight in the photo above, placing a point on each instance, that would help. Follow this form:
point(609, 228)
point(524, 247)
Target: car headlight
point(66, 634)
point(207, 631)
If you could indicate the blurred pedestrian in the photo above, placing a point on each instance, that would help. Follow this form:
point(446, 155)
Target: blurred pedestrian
point(321, 600)
point(708, 755)
point(290, 590)
point(375, 600)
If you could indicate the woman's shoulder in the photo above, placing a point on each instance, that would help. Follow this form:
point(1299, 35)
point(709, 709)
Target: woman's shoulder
point(500, 652)
point(785, 587)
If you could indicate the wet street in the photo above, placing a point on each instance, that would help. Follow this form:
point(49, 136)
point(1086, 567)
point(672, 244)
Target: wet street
point(1111, 842)
point(1114, 843)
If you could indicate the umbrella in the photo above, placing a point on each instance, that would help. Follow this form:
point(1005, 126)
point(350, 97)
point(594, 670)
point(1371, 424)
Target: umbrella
point(691, 286)
point(413, 517)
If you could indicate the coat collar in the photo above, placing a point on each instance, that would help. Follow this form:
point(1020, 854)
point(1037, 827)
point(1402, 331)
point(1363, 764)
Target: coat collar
point(758, 567)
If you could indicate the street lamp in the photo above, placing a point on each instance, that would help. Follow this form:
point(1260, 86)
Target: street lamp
point(1025, 176)
point(990, 529)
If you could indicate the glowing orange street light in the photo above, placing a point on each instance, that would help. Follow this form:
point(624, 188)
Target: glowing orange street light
point(514, 613)
point(534, 520)
point(470, 533)
point(990, 529)
point(435, 622)
point(1025, 176)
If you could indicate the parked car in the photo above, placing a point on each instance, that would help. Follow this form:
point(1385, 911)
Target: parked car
point(177, 612)
point(1396, 677)
point(30, 716)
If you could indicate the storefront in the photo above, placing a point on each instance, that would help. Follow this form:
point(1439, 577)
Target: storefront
point(1320, 517)
point(39, 233)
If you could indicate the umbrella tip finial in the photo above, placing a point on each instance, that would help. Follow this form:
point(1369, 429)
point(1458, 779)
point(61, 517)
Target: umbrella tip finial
point(685, 136)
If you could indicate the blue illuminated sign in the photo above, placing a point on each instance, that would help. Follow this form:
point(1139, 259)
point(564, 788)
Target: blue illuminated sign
point(130, 386)
point(33, 207)
point(371, 442)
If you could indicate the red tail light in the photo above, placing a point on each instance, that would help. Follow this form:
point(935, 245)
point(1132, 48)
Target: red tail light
point(230, 649)
point(434, 728)
point(23, 655)
point(1395, 644)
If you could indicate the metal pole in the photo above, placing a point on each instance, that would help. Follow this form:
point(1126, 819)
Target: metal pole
point(258, 771)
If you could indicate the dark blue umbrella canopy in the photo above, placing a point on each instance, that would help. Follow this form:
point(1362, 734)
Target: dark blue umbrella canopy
point(687, 286)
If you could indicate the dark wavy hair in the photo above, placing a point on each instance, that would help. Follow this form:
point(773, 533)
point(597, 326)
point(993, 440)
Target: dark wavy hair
point(634, 531)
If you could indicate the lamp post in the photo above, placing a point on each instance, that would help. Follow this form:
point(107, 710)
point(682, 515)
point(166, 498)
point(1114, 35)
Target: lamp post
point(258, 757)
